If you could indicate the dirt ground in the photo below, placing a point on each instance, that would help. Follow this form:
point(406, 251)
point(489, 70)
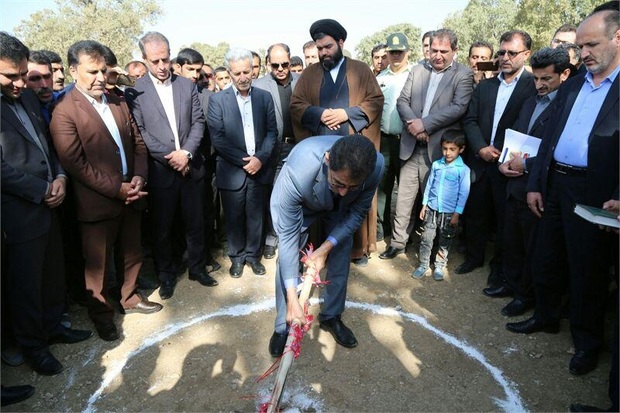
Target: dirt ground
point(423, 346)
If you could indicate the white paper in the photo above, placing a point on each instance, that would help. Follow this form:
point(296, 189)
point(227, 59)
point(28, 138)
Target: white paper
point(519, 143)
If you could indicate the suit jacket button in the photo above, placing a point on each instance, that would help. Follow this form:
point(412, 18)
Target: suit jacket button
point(43, 162)
point(117, 152)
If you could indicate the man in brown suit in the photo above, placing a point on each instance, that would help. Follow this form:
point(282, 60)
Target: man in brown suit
point(102, 150)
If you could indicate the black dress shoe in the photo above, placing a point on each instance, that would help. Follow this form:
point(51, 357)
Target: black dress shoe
point(517, 307)
point(361, 261)
point(466, 267)
point(583, 362)
point(107, 332)
point(215, 266)
point(236, 269)
point(204, 279)
point(498, 292)
point(390, 253)
point(341, 333)
point(16, 394)
point(144, 307)
point(277, 344)
point(576, 407)
point(44, 363)
point(533, 325)
point(269, 252)
point(147, 283)
point(166, 289)
point(495, 278)
point(69, 336)
point(258, 268)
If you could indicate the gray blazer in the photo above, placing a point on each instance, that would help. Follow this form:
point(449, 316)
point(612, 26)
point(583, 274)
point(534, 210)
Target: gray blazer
point(449, 105)
point(269, 84)
point(301, 194)
point(25, 175)
point(152, 121)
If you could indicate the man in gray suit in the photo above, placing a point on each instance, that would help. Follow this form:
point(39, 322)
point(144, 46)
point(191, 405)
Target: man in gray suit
point(324, 178)
point(33, 186)
point(280, 84)
point(171, 122)
point(434, 99)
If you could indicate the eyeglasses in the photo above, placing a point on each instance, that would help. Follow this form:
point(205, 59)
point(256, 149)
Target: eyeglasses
point(339, 185)
point(510, 53)
point(276, 66)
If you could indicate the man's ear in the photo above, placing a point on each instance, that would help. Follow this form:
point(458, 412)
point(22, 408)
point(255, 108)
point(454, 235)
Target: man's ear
point(327, 158)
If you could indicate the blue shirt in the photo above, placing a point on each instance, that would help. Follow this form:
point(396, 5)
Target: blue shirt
point(572, 147)
point(447, 188)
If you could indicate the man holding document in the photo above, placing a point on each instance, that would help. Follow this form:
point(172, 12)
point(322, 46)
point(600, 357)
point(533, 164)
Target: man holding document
point(577, 163)
point(550, 68)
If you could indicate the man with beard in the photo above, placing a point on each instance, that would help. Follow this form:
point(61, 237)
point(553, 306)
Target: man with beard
point(280, 83)
point(493, 108)
point(40, 80)
point(339, 96)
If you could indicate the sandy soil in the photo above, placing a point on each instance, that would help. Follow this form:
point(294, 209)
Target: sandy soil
point(423, 346)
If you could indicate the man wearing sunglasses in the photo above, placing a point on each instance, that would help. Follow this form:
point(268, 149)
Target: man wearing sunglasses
point(494, 107)
point(280, 83)
point(333, 180)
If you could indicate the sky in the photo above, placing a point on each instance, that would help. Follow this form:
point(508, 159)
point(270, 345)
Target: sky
point(256, 24)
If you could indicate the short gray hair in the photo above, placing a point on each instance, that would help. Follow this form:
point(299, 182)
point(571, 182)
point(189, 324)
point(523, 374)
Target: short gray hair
point(152, 37)
point(235, 54)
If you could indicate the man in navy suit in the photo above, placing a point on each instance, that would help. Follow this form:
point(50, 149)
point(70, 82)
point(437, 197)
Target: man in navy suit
point(494, 106)
point(550, 68)
point(578, 163)
point(243, 128)
point(168, 113)
point(332, 179)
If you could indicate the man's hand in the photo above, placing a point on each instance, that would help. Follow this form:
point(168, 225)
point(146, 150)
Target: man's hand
point(135, 192)
point(454, 221)
point(318, 258)
point(415, 127)
point(489, 153)
point(535, 202)
point(422, 137)
point(612, 205)
point(57, 192)
point(178, 160)
point(423, 212)
point(293, 307)
point(253, 165)
point(513, 167)
point(333, 118)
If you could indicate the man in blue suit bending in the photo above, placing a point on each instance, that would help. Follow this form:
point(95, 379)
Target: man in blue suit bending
point(333, 179)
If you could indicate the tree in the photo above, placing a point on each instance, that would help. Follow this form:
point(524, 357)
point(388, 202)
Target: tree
point(213, 55)
point(412, 32)
point(482, 20)
point(541, 18)
point(115, 23)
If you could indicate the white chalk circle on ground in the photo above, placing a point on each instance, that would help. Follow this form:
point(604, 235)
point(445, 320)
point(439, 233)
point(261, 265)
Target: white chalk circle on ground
point(511, 404)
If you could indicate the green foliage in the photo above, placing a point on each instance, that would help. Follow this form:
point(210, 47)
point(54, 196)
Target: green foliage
point(481, 20)
point(488, 19)
point(541, 18)
point(413, 33)
point(114, 23)
point(213, 55)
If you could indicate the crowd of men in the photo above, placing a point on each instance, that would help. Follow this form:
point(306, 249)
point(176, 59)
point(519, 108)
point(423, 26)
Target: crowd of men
point(176, 158)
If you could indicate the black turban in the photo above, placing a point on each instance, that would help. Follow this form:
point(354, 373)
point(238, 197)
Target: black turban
point(329, 27)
